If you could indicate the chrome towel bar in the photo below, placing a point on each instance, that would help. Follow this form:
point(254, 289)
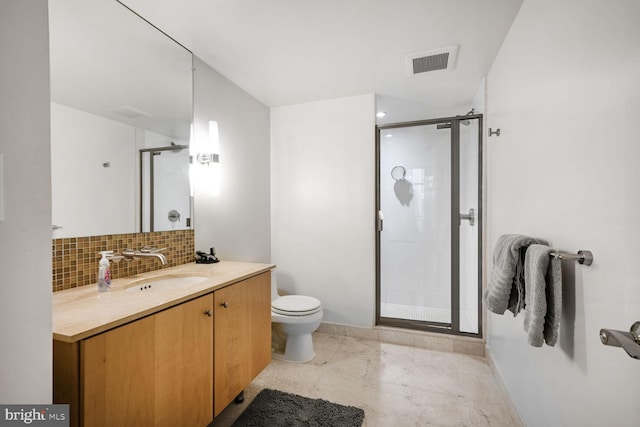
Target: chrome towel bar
point(583, 257)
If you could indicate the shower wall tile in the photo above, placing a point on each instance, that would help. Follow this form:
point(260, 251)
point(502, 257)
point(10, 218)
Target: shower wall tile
point(75, 260)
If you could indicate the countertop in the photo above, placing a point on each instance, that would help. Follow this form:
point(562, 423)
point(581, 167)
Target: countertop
point(83, 312)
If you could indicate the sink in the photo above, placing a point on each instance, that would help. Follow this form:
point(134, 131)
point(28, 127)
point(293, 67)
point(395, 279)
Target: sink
point(165, 283)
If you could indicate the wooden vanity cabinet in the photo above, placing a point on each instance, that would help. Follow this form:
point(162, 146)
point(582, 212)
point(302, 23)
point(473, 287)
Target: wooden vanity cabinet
point(178, 367)
point(242, 336)
point(155, 371)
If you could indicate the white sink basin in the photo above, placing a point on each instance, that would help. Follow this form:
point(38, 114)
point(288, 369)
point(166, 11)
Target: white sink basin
point(165, 283)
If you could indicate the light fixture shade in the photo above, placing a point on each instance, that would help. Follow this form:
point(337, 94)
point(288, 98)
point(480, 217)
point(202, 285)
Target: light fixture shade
point(205, 165)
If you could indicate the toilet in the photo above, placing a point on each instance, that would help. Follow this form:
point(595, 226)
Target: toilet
point(296, 317)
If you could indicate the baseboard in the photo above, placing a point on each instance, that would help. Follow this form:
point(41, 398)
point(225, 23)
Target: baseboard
point(419, 339)
point(517, 420)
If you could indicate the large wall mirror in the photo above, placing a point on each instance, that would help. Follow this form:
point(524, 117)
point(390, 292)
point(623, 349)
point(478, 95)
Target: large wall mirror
point(119, 89)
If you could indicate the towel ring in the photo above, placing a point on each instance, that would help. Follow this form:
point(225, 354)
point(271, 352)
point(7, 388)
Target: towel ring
point(398, 173)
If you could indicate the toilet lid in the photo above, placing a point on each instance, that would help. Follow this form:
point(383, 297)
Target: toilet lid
point(295, 305)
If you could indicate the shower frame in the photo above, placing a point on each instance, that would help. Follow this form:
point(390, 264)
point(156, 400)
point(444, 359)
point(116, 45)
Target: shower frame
point(453, 327)
point(152, 153)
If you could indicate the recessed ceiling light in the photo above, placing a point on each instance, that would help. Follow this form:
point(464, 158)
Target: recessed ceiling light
point(381, 114)
point(388, 135)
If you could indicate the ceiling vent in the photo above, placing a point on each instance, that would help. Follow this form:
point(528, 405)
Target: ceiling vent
point(129, 112)
point(432, 60)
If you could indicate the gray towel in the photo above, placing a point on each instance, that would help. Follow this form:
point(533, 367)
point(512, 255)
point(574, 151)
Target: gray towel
point(543, 296)
point(554, 302)
point(506, 288)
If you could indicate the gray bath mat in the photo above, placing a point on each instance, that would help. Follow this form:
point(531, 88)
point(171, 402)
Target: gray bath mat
point(275, 408)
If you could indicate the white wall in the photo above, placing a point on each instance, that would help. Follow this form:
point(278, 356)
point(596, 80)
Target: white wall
point(323, 204)
point(565, 93)
point(25, 233)
point(237, 221)
point(88, 198)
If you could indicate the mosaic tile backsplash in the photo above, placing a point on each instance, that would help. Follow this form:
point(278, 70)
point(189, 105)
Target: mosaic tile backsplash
point(75, 260)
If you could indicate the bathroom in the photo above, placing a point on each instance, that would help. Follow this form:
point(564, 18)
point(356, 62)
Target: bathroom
point(563, 93)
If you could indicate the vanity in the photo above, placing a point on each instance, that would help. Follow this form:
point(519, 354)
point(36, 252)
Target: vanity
point(166, 348)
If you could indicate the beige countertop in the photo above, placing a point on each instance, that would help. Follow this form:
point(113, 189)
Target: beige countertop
point(82, 312)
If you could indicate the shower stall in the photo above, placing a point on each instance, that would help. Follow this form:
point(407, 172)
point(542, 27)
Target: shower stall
point(429, 225)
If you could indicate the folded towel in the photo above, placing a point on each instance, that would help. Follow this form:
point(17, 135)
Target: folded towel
point(536, 264)
point(554, 302)
point(506, 283)
point(543, 297)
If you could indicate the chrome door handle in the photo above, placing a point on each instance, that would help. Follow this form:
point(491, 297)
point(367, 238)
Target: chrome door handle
point(471, 217)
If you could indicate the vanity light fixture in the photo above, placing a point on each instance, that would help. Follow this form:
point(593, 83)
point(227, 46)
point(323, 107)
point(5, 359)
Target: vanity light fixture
point(205, 162)
point(207, 158)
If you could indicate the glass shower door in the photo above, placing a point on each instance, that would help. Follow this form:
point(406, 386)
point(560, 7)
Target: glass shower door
point(469, 235)
point(429, 225)
point(415, 241)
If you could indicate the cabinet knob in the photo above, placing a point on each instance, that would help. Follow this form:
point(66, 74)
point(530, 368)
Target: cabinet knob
point(225, 304)
point(208, 313)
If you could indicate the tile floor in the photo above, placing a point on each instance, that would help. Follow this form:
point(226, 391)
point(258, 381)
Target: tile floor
point(395, 385)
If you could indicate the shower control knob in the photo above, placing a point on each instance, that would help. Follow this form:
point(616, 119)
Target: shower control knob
point(225, 304)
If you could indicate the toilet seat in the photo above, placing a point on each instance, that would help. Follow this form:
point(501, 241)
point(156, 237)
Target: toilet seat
point(295, 305)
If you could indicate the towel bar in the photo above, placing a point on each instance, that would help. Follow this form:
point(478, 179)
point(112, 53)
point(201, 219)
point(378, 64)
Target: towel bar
point(583, 257)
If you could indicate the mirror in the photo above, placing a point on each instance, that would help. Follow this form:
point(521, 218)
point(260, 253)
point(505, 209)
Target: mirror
point(119, 87)
point(165, 188)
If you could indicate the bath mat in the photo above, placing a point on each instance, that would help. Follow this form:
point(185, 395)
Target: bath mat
point(275, 408)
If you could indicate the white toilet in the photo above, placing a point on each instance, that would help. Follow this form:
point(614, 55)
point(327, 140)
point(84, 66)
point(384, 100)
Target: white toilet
point(296, 316)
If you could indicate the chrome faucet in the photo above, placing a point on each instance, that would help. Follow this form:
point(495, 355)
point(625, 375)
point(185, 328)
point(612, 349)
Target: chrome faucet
point(145, 252)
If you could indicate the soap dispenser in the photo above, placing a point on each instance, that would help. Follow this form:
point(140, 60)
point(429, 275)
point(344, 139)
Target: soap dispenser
point(104, 272)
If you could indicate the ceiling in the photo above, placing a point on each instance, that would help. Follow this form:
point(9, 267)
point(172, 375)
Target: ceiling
point(287, 52)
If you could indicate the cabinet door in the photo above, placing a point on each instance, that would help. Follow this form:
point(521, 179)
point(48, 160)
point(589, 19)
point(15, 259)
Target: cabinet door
point(242, 336)
point(184, 364)
point(118, 376)
point(155, 371)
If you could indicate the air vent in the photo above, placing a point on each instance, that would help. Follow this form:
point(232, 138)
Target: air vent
point(432, 60)
point(129, 112)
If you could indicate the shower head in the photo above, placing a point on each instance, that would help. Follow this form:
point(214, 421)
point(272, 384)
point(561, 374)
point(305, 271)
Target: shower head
point(470, 113)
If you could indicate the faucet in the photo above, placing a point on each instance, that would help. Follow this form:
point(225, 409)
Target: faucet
point(145, 252)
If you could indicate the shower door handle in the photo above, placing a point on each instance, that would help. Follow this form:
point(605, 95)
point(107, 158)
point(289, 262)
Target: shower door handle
point(380, 221)
point(471, 217)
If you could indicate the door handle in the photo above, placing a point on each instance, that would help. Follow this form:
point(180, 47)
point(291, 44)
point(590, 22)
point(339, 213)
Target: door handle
point(471, 217)
point(380, 222)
